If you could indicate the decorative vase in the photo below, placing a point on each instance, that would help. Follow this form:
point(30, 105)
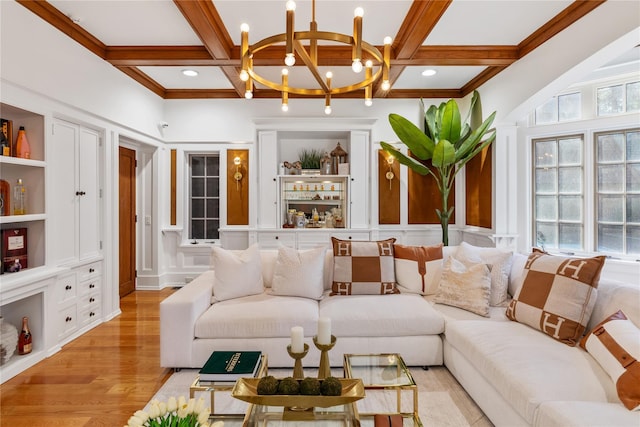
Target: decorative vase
point(8, 341)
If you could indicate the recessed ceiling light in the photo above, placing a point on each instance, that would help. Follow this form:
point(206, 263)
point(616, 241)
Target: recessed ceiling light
point(429, 72)
point(190, 73)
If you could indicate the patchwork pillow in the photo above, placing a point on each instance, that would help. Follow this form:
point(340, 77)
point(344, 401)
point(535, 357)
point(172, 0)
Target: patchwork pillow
point(418, 268)
point(299, 273)
point(465, 286)
point(236, 274)
point(361, 268)
point(500, 265)
point(615, 344)
point(557, 295)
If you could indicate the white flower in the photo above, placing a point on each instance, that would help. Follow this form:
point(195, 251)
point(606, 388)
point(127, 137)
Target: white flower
point(182, 407)
point(199, 406)
point(163, 409)
point(154, 409)
point(135, 422)
point(191, 405)
point(172, 404)
point(142, 415)
point(203, 417)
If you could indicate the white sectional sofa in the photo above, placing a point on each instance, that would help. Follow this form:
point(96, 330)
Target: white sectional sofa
point(516, 374)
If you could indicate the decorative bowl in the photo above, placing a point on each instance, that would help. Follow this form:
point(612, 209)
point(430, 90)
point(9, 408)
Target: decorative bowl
point(246, 390)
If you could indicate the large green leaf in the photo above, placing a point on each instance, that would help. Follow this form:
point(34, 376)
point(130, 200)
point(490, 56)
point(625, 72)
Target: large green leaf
point(470, 144)
point(430, 118)
point(412, 136)
point(411, 163)
point(444, 154)
point(451, 124)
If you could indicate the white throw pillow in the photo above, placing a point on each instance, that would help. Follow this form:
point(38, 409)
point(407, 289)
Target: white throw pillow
point(465, 286)
point(498, 261)
point(299, 273)
point(237, 274)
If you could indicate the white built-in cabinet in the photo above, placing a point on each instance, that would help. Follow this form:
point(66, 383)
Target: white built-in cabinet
point(75, 170)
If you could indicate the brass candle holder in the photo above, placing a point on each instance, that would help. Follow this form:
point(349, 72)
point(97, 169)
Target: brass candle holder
point(324, 370)
point(298, 373)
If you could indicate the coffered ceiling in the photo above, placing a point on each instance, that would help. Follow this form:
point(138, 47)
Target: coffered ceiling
point(466, 42)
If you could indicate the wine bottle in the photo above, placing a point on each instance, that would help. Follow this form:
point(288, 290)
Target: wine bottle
point(23, 149)
point(19, 199)
point(25, 339)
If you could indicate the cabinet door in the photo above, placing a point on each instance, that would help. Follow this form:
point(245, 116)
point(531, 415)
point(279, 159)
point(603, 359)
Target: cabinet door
point(268, 195)
point(63, 179)
point(359, 193)
point(89, 201)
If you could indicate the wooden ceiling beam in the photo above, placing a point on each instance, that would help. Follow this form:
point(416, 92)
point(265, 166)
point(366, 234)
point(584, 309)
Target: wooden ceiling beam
point(160, 56)
point(144, 80)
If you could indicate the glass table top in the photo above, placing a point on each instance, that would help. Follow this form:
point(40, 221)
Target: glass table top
point(378, 370)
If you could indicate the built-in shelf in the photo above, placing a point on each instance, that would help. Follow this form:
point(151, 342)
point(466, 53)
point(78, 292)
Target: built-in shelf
point(6, 160)
point(13, 219)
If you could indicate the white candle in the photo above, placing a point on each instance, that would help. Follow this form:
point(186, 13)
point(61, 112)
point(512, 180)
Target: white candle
point(324, 330)
point(297, 336)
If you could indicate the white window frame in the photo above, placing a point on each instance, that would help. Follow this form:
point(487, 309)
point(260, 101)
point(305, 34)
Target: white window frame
point(188, 207)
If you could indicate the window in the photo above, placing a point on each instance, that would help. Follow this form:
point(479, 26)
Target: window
point(560, 108)
point(618, 191)
point(558, 193)
point(618, 99)
point(204, 211)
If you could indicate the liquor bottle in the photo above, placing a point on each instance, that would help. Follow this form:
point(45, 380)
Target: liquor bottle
point(19, 199)
point(23, 149)
point(5, 145)
point(25, 339)
point(5, 198)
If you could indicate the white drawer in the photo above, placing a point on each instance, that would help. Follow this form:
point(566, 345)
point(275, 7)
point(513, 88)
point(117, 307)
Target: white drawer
point(89, 271)
point(67, 321)
point(273, 239)
point(90, 286)
point(66, 288)
point(89, 300)
point(89, 316)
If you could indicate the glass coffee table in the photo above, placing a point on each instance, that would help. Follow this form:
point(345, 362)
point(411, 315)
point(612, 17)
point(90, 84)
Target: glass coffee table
point(386, 372)
point(341, 415)
point(216, 386)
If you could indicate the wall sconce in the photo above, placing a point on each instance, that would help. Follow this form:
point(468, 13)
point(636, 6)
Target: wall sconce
point(390, 175)
point(238, 175)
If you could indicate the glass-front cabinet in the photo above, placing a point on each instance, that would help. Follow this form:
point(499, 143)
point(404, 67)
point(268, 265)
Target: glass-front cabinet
point(314, 201)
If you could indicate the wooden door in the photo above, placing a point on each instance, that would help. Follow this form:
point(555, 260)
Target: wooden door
point(127, 209)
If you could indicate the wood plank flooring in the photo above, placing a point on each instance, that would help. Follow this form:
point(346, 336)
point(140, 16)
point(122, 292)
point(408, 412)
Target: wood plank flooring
point(99, 379)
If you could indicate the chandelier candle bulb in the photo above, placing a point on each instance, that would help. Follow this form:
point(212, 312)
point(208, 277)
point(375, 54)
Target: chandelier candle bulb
point(297, 336)
point(324, 331)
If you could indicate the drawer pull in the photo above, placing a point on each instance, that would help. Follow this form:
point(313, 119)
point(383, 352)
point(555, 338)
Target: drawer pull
point(68, 288)
point(92, 314)
point(91, 286)
point(277, 237)
point(92, 299)
point(68, 319)
point(91, 270)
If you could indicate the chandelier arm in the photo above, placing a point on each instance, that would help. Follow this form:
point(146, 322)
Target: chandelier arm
point(299, 48)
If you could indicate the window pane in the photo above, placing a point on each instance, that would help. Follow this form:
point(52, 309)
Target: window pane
point(611, 208)
point(546, 153)
point(633, 209)
point(633, 146)
point(546, 235)
point(570, 151)
point(633, 96)
point(610, 100)
point(197, 208)
point(197, 229)
point(570, 236)
point(547, 112)
point(569, 107)
point(213, 166)
point(570, 180)
point(633, 240)
point(610, 238)
point(212, 229)
point(546, 181)
point(213, 187)
point(570, 208)
point(610, 178)
point(546, 208)
point(611, 148)
point(197, 166)
point(197, 187)
point(213, 208)
point(633, 177)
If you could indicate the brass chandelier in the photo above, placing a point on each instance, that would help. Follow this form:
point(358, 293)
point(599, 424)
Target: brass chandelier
point(293, 45)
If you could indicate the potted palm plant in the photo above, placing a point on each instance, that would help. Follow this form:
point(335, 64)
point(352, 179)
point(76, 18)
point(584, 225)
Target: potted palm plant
point(447, 143)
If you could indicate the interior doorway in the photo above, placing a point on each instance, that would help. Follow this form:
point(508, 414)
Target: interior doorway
point(127, 220)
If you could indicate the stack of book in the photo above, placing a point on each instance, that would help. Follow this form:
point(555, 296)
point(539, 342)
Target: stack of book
point(231, 365)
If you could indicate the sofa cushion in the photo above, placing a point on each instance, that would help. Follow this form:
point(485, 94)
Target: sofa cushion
point(258, 316)
point(527, 367)
point(615, 344)
point(614, 296)
point(585, 414)
point(237, 274)
point(499, 262)
point(299, 273)
point(361, 268)
point(557, 295)
point(465, 286)
point(418, 268)
point(381, 316)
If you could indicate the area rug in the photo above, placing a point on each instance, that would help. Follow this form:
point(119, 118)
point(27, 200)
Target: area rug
point(441, 400)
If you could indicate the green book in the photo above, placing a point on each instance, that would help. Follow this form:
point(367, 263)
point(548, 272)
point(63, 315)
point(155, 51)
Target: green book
point(230, 365)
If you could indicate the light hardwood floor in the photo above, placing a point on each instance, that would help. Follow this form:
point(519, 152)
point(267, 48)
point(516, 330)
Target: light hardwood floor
point(99, 379)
